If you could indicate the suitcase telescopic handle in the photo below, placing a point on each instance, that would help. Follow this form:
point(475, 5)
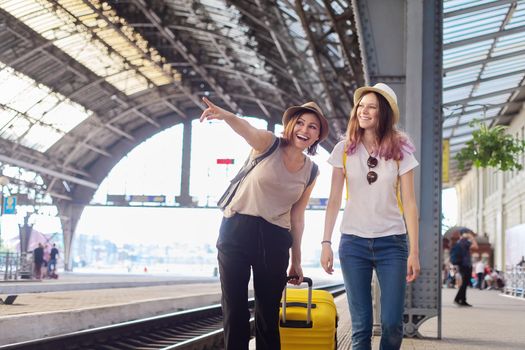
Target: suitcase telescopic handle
point(309, 281)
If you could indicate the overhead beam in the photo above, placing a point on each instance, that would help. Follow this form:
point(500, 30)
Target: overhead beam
point(42, 170)
point(324, 81)
point(170, 36)
point(68, 135)
point(353, 62)
point(230, 63)
point(265, 23)
point(249, 76)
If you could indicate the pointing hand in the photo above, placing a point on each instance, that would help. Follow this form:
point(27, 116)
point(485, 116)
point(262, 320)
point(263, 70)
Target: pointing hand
point(214, 112)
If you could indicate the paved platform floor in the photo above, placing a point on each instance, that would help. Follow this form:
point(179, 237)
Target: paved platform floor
point(495, 322)
point(83, 301)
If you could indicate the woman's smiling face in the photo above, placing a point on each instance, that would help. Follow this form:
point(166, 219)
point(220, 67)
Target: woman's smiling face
point(306, 131)
point(368, 111)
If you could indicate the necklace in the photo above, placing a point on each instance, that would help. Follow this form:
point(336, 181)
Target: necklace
point(373, 148)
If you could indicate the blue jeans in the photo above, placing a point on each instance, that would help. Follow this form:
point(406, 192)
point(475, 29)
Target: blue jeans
point(388, 255)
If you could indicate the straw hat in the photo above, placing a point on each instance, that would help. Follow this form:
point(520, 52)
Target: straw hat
point(310, 107)
point(385, 91)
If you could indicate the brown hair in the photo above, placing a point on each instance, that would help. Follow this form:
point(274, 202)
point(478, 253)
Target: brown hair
point(288, 131)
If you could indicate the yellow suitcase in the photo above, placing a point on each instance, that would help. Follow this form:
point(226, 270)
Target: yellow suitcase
point(307, 319)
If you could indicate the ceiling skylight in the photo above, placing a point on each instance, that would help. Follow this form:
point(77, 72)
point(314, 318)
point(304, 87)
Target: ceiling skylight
point(33, 115)
point(93, 34)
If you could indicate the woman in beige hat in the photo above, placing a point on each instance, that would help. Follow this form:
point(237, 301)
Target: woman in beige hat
point(377, 163)
point(264, 220)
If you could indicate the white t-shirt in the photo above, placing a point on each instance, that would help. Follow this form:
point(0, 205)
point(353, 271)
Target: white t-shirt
point(480, 267)
point(372, 210)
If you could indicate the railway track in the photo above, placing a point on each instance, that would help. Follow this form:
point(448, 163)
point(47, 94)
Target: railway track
point(195, 329)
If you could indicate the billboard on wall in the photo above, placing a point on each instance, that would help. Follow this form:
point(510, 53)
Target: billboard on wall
point(514, 245)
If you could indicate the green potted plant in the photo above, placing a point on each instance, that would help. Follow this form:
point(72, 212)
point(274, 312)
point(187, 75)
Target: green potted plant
point(491, 147)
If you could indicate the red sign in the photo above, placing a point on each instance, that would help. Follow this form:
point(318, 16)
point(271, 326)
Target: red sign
point(225, 161)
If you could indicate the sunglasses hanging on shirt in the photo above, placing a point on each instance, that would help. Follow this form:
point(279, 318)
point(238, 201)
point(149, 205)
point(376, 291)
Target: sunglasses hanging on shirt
point(371, 176)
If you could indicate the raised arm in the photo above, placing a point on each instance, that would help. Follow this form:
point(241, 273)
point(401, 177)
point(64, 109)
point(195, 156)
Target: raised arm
point(408, 198)
point(332, 209)
point(258, 139)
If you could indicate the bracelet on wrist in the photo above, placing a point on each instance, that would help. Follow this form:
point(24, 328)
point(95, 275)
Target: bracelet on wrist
point(329, 242)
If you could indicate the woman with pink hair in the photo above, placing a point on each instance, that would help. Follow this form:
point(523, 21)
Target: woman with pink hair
point(377, 163)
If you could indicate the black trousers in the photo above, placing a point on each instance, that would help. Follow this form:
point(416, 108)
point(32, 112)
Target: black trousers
point(245, 243)
point(480, 280)
point(466, 272)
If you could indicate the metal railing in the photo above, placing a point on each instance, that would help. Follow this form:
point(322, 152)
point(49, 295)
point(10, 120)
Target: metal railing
point(9, 264)
point(515, 281)
point(14, 266)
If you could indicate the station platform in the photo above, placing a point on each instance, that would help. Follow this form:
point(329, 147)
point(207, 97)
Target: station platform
point(82, 301)
point(495, 322)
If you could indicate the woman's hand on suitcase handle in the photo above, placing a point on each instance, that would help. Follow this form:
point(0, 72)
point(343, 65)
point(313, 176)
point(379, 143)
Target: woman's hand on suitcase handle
point(296, 271)
point(327, 258)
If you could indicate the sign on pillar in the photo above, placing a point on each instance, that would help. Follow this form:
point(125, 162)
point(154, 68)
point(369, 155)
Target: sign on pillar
point(9, 205)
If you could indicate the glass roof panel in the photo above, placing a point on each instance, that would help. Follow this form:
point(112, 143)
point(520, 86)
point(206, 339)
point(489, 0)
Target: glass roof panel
point(228, 30)
point(460, 139)
point(454, 5)
point(32, 114)
point(506, 65)
point(39, 136)
point(457, 94)
point(95, 36)
point(464, 129)
point(493, 100)
point(498, 84)
point(450, 121)
point(518, 18)
point(461, 76)
point(470, 52)
point(494, 78)
point(509, 44)
point(473, 24)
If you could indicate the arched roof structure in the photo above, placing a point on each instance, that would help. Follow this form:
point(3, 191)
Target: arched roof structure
point(94, 79)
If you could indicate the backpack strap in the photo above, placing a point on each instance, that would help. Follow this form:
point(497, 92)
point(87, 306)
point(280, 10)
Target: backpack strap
point(344, 172)
point(398, 190)
point(313, 174)
point(247, 167)
point(269, 151)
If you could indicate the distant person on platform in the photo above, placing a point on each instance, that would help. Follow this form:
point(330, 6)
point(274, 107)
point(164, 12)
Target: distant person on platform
point(52, 265)
point(522, 262)
point(467, 241)
point(480, 273)
point(38, 259)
